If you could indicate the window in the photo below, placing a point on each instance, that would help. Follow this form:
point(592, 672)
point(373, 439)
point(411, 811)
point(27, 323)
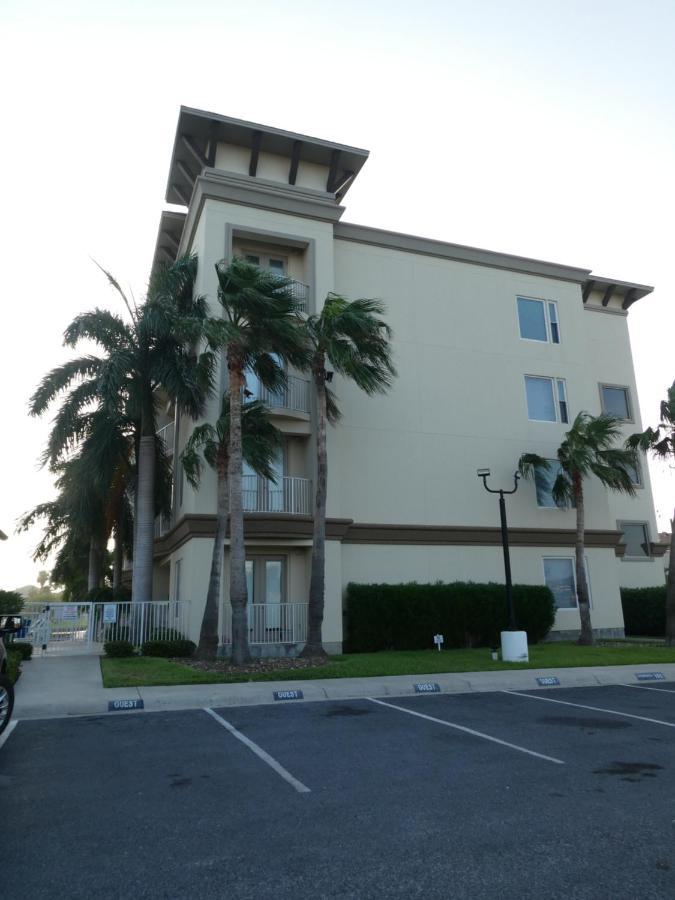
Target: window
point(635, 475)
point(266, 586)
point(538, 320)
point(546, 399)
point(176, 581)
point(544, 479)
point(276, 264)
point(560, 577)
point(615, 400)
point(636, 539)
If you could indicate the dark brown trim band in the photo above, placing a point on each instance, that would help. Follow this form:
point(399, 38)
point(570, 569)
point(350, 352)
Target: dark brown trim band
point(284, 527)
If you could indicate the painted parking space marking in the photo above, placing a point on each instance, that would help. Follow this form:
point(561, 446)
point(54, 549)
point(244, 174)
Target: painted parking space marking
point(611, 712)
point(260, 753)
point(645, 687)
point(478, 734)
point(10, 728)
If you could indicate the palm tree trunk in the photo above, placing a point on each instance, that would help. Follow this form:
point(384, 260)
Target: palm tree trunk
point(586, 635)
point(238, 593)
point(670, 590)
point(208, 636)
point(144, 544)
point(94, 570)
point(317, 582)
point(118, 558)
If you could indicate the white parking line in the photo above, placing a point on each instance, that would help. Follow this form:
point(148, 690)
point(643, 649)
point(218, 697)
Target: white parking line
point(262, 754)
point(479, 734)
point(10, 728)
point(611, 712)
point(643, 687)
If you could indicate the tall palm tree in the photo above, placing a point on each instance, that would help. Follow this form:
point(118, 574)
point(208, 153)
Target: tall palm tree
point(152, 349)
point(259, 329)
point(661, 442)
point(354, 340)
point(260, 440)
point(589, 449)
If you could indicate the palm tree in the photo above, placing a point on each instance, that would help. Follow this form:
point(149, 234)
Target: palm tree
point(353, 339)
point(661, 442)
point(153, 350)
point(259, 329)
point(260, 439)
point(589, 449)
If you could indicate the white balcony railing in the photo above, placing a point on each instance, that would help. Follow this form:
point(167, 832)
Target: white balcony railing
point(288, 495)
point(300, 292)
point(166, 435)
point(162, 525)
point(271, 623)
point(294, 396)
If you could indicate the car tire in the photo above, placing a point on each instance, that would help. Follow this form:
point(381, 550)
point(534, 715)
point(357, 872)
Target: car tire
point(6, 701)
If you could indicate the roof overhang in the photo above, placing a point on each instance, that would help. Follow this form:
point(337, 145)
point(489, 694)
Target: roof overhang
point(627, 291)
point(169, 234)
point(198, 132)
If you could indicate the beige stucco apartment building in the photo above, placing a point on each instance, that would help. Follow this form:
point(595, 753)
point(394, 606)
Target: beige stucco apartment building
point(495, 355)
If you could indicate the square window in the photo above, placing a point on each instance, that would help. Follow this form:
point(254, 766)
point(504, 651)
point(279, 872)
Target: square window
point(636, 539)
point(538, 320)
point(546, 399)
point(560, 577)
point(615, 401)
point(544, 479)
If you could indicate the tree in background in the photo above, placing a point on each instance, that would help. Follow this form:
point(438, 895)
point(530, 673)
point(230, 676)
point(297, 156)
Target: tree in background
point(353, 339)
point(661, 442)
point(589, 450)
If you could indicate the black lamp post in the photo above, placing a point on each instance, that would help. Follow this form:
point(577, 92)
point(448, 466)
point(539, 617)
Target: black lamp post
point(484, 474)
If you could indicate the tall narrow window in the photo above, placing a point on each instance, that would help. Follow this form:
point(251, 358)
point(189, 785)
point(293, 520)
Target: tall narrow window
point(538, 320)
point(544, 479)
point(636, 539)
point(616, 401)
point(560, 577)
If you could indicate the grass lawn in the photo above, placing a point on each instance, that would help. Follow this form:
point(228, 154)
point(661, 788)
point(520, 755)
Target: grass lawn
point(155, 671)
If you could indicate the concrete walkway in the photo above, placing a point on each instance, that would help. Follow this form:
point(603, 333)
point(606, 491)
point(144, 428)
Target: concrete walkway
point(71, 685)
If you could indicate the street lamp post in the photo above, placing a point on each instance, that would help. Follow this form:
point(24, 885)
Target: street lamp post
point(514, 642)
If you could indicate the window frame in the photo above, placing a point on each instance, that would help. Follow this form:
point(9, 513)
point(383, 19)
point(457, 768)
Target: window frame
point(572, 559)
point(555, 506)
point(650, 556)
point(548, 322)
point(629, 400)
point(555, 382)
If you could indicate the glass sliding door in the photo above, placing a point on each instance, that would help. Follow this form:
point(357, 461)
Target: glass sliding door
point(265, 578)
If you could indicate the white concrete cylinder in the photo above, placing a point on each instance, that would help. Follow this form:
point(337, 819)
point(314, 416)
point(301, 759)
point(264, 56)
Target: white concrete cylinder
point(514, 646)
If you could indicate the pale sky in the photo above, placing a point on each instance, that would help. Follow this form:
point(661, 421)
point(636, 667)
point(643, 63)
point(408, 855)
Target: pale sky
point(538, 127)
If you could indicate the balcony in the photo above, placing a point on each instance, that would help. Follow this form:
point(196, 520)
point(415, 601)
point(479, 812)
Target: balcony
point(300, 292)
point(289, 495)
point(166, 435)
point(293, 397)
point(162, 525)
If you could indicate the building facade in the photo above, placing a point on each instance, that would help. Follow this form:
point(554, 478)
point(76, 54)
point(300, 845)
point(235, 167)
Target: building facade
point(496, 354)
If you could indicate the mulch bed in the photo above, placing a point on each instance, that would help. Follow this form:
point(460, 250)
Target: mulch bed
point(256, 666)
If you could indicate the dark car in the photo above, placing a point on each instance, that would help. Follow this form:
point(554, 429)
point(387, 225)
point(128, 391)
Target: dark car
point(8, 625)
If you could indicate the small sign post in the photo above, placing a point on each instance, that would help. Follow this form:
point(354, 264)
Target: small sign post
point(439, 640)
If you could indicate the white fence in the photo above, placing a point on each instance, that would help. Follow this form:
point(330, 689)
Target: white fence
point(271, 623)
point(84, 626)
point(289, 495)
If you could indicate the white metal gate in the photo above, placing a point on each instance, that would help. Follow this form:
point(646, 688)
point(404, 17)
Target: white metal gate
point(85, 627)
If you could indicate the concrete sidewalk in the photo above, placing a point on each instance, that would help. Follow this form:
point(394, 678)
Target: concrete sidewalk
point(72, 685)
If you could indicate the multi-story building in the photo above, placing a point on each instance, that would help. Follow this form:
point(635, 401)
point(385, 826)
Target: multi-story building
point(495, 354)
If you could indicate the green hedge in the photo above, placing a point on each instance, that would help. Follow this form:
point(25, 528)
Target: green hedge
point(24, 650)
point(467, 614)
point(118, 649)
point(644, 611)
point(179, 647)
point(13, 665)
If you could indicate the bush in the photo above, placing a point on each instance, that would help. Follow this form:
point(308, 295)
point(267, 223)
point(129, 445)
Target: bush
point(118, 649)
point(467, 614)
point(11, 603)
point(24, 650)
point(13, 665)
point(644, 611)
point(180, 647)
point(167, 634)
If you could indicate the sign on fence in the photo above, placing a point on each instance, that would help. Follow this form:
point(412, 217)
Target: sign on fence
point(110, 613)
point(67, 613)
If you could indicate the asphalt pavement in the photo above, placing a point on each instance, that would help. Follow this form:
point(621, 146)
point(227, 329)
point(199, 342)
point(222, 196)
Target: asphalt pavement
point(558, 793)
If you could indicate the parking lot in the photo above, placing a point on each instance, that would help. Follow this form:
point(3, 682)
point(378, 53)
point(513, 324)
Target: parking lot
point(545, 793)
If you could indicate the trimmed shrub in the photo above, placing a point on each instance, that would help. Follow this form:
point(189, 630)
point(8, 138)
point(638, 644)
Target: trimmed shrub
point(24, 650)
point(180, 647)
point(118, 649)
point(644, 611)
point(13, 665)
point(467, 614)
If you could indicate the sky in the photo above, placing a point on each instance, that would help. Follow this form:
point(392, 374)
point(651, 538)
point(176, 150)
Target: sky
point(541, 128)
